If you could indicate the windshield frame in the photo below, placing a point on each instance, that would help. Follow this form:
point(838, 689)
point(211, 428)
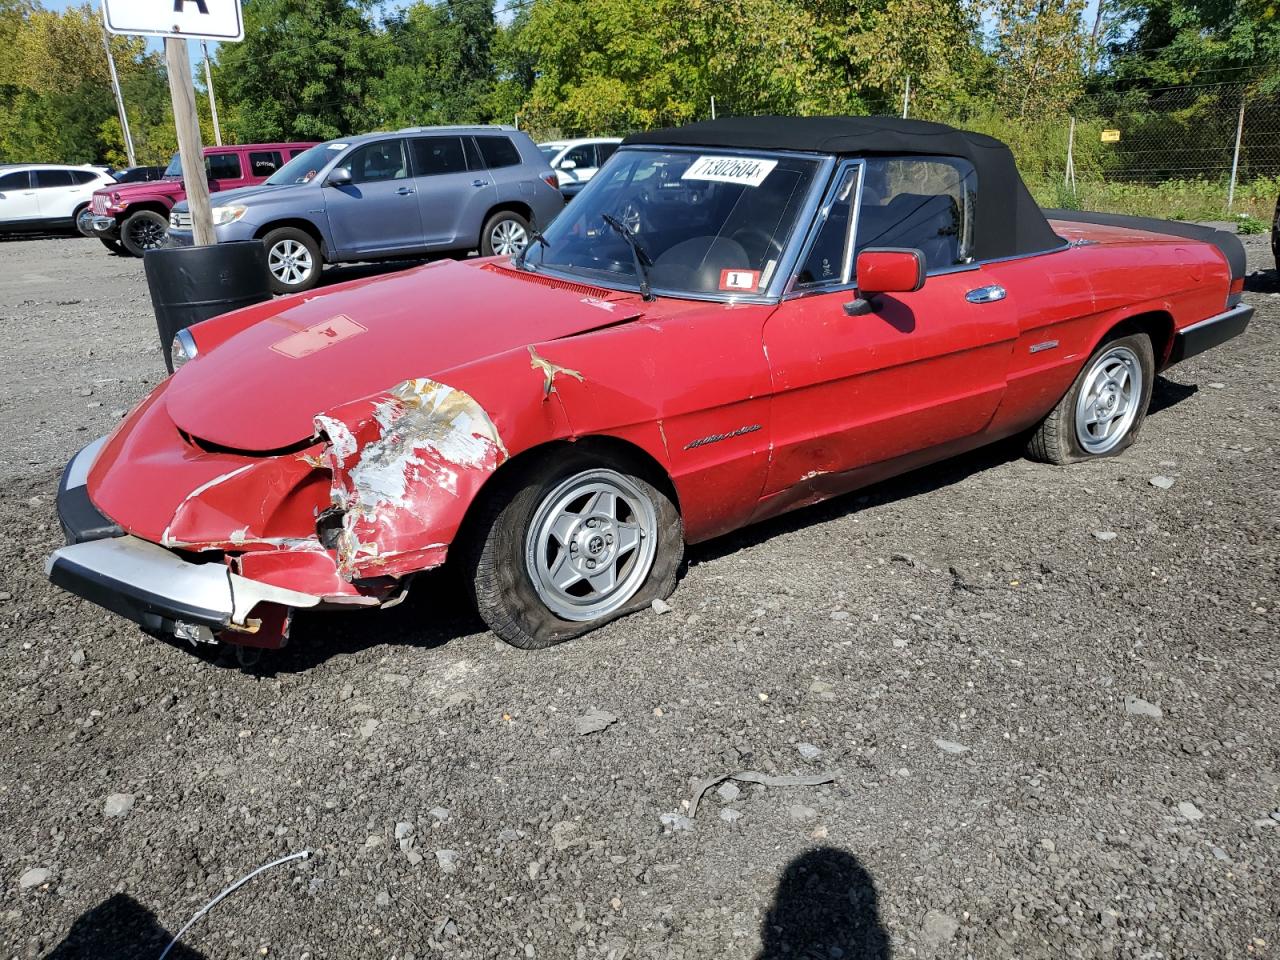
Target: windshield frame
point(791, 251)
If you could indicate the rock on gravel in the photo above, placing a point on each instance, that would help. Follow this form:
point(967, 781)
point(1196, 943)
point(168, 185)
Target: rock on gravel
point(448, 860)
point(1190, 810)
point(593, 721)
point(118, 805)
point(35, 877)
point(950, 746)
point(938, 928)
point(1137, 707)
point(808, 751)
point(1162, 483)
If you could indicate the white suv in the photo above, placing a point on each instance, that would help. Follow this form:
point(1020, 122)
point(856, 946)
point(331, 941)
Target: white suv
point(44, 196)
point(576, 161)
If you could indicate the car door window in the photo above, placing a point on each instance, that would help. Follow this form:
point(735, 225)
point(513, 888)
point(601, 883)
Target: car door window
point(223, 166)
point(263, 163)
point(21, 180)
point(53, 178)
point(827, 261)
point(925, 203)
point(498, 152)
point(433, 156)
point(83, 176)
point(375, 162)
point(604, 151)
point(583, 157)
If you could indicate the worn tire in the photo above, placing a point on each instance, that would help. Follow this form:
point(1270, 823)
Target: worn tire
point(278, 241)
point(494, 554)
point(1057, 440)
point(138, 228)
point(113, 245)
point(487, 246)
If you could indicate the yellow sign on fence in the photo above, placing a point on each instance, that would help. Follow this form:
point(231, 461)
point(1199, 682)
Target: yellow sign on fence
point(1110, 136)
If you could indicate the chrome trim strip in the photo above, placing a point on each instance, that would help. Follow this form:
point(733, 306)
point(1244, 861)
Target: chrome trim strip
point(1043, 345)
point(82, 463)
point(187, 342)
point(1217, 318)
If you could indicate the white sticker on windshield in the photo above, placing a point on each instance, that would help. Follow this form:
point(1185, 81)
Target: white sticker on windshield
point(749, 171)
point(338, 146)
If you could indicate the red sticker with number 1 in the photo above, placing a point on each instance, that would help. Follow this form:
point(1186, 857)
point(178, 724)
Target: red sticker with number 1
point(745, 280)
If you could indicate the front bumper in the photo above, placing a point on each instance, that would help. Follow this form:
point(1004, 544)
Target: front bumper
point(1210, 333)
point(225, 233)
point(159, 589)
point(95, 225)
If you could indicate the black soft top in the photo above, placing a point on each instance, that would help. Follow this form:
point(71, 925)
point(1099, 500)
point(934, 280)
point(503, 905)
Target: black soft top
point(1007, 221)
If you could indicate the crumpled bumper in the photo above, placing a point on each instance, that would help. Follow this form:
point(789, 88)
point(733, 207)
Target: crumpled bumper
point(160, 589)
point(163, 591)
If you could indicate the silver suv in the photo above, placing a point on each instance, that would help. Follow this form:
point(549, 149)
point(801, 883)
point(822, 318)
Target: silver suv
point(383, 195)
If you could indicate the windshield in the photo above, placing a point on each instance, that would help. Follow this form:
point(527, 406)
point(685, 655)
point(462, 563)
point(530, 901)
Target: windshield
point(306, 164)
point(174, 169)
point(549, 150)
point(712, 222)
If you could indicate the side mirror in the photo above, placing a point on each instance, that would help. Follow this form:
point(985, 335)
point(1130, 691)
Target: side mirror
point(340, 177)
point(568, 165)
point(889, 270)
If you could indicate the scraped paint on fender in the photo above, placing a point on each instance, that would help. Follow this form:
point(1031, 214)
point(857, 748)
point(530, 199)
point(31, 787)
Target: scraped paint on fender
point(394, 458)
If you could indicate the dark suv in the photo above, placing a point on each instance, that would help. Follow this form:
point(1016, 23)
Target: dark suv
point(383, 195)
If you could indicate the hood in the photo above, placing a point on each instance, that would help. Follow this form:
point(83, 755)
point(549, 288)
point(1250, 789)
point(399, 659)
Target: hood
point(220, 198)
point(262, 388)
point(144, 188)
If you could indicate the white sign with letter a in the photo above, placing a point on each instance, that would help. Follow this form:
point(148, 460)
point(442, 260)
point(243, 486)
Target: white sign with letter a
point(196, 19)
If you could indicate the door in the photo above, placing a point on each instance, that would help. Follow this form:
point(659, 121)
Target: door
point(579, 164)
point(18, 201)
point(923, 369)
point(376, 213)
point(57, 193)
point(226, 172)
point(453, 194)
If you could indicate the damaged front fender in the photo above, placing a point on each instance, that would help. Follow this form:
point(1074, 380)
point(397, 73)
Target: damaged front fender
point(405, 464)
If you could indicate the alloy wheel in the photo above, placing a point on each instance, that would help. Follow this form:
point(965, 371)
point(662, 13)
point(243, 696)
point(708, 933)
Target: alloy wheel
point(591, 545)
point(290, 262)
point(507, 238)
point(146, 234)
point(1109, 399)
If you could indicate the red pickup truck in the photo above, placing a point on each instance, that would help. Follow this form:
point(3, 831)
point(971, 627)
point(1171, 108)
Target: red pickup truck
point(133, 217)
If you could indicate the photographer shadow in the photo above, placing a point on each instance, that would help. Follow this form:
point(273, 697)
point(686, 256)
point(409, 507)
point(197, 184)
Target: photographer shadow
point(825, 906)
point(119, 928)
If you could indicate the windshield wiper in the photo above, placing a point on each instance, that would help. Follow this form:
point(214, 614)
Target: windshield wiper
point(535, 236)
point(641, 258)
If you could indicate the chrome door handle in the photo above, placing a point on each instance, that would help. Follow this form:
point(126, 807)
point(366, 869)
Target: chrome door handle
point(405, 191)
point(991, 294)
point(479, 183)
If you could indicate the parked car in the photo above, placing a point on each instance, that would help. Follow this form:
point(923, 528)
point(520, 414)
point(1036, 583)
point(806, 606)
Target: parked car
point(733, 319)
point(45, 196)
point(382, 195)
point(137, 174)
point(133, 218)
point(576, 161)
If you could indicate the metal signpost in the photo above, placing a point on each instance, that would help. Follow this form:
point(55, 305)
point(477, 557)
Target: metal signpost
point(179, 22)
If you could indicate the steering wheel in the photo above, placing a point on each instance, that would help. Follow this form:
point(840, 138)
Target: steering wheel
point(754, 238)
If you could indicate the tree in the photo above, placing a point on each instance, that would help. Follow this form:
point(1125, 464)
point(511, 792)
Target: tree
point(304, 70)
point(1040, 52)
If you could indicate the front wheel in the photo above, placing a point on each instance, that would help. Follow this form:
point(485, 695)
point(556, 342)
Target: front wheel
point(504, 234)
point(293, 259)
point(143, 231)
point(1103, 411)
point(571, 544)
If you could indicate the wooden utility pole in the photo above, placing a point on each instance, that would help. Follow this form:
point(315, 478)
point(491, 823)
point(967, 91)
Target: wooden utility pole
point(115, 86)
point(190, 150)
point(213, 104)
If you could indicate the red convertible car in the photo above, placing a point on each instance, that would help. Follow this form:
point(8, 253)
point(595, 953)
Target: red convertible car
point(734, 319)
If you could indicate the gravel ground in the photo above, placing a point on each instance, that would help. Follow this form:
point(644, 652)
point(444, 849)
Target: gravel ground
point(1047, 697)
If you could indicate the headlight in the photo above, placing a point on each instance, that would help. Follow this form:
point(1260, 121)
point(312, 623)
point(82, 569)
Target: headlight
point(229, 214)
point(183, 349)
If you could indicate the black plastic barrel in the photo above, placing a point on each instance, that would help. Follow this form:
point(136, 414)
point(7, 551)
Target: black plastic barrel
point(190, 284)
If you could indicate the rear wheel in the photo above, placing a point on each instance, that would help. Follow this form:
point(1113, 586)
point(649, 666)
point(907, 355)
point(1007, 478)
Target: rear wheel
point(293, 258)
point(1103, 411)
point(569, 545)
point(143, 231)
point(505, 234)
